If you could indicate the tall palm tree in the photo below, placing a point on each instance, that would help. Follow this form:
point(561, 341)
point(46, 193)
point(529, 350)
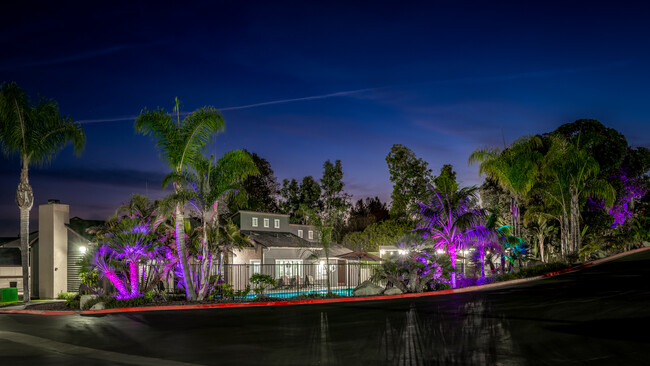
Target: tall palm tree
point(514, 168)
point(37, 132)
point(208, 183)
point(180, 143)
point(448, 221)
point(574, 174)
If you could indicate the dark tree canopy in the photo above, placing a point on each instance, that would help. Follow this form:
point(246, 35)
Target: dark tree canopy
point(333, 197)
point(446, 181)
point(411, 179)
point(261, 190)
point(364, 213)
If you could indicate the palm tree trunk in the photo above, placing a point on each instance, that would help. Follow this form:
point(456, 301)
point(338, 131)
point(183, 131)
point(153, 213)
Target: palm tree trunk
point(452, 256)
point(204, 263)
point(575, 222)
point(540, 240)
point(25, 201)
point(566, 235)
point(482, 255)
point(182, 253)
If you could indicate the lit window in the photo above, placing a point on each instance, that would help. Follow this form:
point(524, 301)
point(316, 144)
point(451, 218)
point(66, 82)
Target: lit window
point(276, 223)
point(300, 233)
point(288, 267)
point(254, 221)
point(311, 235)
point(266, 222)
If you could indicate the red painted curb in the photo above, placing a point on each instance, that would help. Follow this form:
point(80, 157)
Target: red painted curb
point(320, 301)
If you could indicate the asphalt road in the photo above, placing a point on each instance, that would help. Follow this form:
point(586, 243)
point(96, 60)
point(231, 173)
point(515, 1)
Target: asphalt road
point(597, 316)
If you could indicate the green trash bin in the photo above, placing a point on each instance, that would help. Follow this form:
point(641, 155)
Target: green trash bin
point(8, 294)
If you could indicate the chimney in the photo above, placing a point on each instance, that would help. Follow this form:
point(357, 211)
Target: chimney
point(52, 249)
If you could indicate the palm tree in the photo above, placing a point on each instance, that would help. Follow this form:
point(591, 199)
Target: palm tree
point(541, 229)
point(37, 132)
point(180, 143)
point(514, 168)
point(448, 221)
point(574, 174)
point(207, 184)
point(487, 235)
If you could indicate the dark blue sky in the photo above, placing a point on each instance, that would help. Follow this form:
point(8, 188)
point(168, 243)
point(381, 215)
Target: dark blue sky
point(303, 82)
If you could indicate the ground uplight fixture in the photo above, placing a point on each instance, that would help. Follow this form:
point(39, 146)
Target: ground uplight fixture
point(83, 249)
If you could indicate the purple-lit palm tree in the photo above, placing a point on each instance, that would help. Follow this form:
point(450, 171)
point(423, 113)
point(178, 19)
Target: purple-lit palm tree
point(37, 132)
point(448, 221)
point(122, 249)
point(486, 235)
point(180, 142)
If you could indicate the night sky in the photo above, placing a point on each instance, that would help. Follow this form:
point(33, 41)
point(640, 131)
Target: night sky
point(302, 82)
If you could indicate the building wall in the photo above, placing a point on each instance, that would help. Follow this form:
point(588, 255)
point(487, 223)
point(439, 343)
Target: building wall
point(11, 274)
point(53, 249)
point(245, 221)
point(244, 256)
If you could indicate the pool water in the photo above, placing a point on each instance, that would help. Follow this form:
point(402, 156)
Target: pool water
point(283, 295)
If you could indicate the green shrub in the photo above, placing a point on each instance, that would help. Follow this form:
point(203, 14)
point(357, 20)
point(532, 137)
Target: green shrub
point(113, 303)
point(66, 295)
point(261, 282)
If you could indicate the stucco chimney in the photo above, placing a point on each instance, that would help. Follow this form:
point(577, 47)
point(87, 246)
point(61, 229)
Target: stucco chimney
point(52, 249)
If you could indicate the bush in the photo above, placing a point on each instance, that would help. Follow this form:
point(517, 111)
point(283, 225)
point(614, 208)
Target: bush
point(537, 270)
point(416, 273)
point(113, 303)
point(261, 282)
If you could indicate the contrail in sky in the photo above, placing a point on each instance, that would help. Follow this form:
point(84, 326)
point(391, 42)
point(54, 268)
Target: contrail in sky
point(522, 75)
point(323, 96)
point(78, 56)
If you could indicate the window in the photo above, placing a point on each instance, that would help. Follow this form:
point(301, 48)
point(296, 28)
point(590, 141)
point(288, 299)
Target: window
point(254, 222)
point(288, 267)
point(266, 222)
point(255, 266)
point(300, 233)
point(276, 223)
point(311, 235)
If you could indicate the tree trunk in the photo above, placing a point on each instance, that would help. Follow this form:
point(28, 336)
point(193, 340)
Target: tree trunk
point(182, 253)
point(482, 255)
point(540, 240)
point(25, 201)
point(452, 256)
point(566, 235)
point(134, 270)
point(204, 263)
point(575, 221)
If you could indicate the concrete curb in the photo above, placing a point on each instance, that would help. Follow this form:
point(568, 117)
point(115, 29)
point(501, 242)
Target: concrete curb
point(322, 301)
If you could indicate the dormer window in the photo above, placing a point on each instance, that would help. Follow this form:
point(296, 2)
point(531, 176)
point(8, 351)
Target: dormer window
point(254, 223)
point(300, 235)
point(276, 223)
point(311, 235)
point(266, 222)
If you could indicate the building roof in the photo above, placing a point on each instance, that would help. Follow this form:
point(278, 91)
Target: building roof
point(79, 226)
point(272, 239)
point(275, 239)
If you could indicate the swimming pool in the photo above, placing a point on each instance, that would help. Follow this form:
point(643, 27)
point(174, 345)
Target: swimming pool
point(287, 294)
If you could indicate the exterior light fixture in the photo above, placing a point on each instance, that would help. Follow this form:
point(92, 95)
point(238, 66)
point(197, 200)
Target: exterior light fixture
point(83, 249)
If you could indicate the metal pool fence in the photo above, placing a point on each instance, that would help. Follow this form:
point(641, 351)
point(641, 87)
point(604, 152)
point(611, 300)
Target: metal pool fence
point(294, 279)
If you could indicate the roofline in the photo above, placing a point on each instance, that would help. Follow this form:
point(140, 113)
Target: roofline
point(259, 212)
